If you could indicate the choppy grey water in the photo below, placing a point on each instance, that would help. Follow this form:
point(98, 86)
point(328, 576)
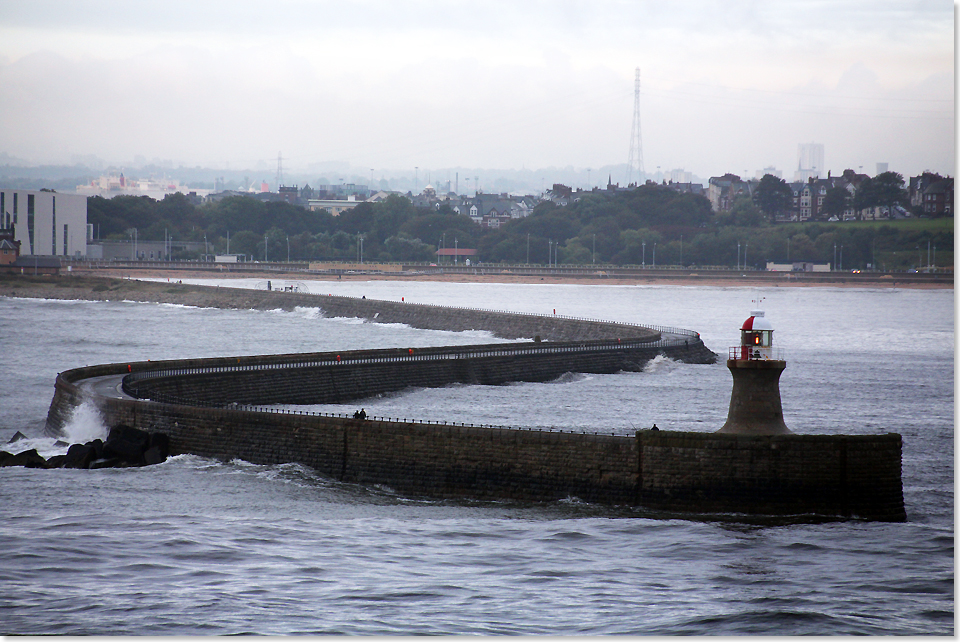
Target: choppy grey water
point(196, 546)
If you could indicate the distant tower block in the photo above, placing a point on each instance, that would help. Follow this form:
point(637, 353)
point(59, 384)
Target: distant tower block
point(755, 407)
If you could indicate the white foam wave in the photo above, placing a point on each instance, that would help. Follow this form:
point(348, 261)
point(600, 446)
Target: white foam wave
point(85, 424)
point(570, 377)
point(660, 364)
point(46, 447)
point(308, 313)
point(348, 320)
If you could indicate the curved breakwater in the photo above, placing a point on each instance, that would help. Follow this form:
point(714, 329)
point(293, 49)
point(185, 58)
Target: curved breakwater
point(207, 407)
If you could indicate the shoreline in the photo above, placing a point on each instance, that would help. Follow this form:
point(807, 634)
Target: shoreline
point(766, 280)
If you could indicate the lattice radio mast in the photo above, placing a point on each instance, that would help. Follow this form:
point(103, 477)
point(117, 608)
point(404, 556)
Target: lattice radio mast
point(635, 162)
point(279, 170)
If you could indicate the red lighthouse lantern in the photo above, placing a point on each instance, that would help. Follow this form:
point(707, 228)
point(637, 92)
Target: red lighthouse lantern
point(756, 338)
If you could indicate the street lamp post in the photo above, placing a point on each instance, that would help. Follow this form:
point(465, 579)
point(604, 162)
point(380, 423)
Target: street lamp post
point(266, 245)
point(594, 248)
point(643, 257)
point(528, 248)
point(738, 255)
point(681, 250)
point(136, 255)
point(655, 247)
point(456, 251)
point(288, 249)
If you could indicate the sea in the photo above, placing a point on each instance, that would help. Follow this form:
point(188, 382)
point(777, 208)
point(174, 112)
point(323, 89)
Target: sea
point(197, 546)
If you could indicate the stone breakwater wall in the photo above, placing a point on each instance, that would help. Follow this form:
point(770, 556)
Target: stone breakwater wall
point(204, 406)
point(847, 475)
point(673, 472)
point(507, 325)
point(331, 378)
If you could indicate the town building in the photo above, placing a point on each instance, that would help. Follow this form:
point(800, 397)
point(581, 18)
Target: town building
point(110, 185)
point(454, 254)
point(336, 207)
point(44, 222)
point(773, 171)
point(798, 266)
point(9, 247)
point(136, 249)
point(493, 210)
point(938, 198)
point(809, 161)
point(722, 191)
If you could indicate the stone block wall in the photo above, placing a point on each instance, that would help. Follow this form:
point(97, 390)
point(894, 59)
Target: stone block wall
point(849, 475)
point(833, 476)
point(350, 375)
point(502, 324)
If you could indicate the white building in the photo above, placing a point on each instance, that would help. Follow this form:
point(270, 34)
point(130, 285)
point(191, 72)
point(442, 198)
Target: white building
point(334, 206)
point(773, 171)
point(809, 161)
point(46, 223)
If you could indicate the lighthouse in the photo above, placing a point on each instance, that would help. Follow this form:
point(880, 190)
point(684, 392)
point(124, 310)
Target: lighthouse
point(755, 407)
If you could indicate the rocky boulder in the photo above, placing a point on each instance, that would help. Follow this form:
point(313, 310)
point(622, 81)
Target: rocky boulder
point(124, 447)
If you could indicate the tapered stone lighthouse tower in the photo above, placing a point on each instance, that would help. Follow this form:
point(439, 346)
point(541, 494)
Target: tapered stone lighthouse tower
point(755, 407)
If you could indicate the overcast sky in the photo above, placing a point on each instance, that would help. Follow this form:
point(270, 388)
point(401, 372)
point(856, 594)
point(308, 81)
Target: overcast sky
point(383, 84)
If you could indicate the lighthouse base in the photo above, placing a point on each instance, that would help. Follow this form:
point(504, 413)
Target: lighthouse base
point(755, 407)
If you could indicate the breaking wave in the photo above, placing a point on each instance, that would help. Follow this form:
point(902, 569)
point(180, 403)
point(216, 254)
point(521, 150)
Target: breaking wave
point(85, 424)
point(660, 364)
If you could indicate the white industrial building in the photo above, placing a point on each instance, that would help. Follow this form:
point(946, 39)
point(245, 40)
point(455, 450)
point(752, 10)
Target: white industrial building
point(46, 223)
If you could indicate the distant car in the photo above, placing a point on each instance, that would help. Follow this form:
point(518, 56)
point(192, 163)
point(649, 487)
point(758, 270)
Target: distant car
point(855, 271)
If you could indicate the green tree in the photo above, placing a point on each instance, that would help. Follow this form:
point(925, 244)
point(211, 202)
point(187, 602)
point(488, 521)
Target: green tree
point(236, 214)
point(575, 253)
point(246, 242)
point(885, 189)
point(743, 213)
point(773, 196)
point(802, 248)
point(404, 248)
point(836, 201)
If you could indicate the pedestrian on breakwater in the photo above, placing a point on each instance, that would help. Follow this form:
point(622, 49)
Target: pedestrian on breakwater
point(655, 428)
point(362, 414)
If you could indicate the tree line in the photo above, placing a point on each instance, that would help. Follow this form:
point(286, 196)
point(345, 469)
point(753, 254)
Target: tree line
point(653, 225)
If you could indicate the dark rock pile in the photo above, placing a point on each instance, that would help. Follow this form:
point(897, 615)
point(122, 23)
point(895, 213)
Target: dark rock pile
point(125, 447)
